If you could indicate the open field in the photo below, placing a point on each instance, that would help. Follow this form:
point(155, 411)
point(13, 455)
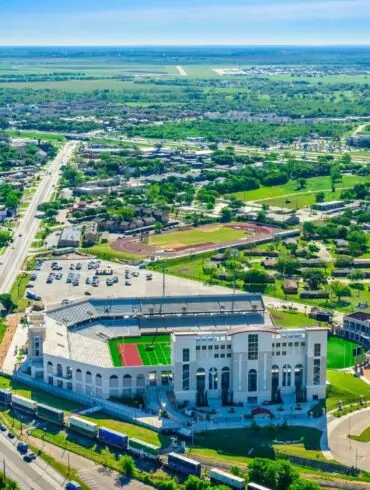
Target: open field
point(153, 350)
point(286, 319)
point(346, 388)
point(340, 353)
point(268, 195)
point(237, 446)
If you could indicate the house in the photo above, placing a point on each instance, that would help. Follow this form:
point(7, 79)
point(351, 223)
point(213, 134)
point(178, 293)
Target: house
point(361, 263)
point(70, 237)
point(356, 327)
point(290, 286)
point(317, 294)
point(91, 233)
point(291, 242)
point(329, 206)
point(270, 263)
point(312, 263)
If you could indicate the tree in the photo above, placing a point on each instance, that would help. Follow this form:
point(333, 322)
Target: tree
point(127, 465)
point(287, 265)
point(315, 278)
point(7, 301)
point(339, 289)
point(256, 276)
point(106, 454)
point(301, 183)
point(226, 215)
point(302, 484)
point(320, 197)
point(158, 227)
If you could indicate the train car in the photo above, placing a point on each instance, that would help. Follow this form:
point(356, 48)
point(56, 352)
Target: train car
point(256, 486)
point(183, 464)
point(50, 414)
point(23, 404)
point(143, 448)
point(84, 427)
point(5, 397)
point(113, 438)
point(221, 477)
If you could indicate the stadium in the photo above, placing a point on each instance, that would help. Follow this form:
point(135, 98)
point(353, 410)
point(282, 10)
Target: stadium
point(213, 347)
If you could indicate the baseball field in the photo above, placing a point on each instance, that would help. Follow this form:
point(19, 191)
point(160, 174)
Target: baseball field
point(147, 350)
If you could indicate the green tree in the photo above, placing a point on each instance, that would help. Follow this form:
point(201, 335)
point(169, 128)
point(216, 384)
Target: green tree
point(287, 265)
point(127, 465)
point(301, 484)
point(315, 278)
point(320, 197)
point(339, 289)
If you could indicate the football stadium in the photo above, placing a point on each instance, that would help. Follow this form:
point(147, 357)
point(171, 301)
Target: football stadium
point(223, 347)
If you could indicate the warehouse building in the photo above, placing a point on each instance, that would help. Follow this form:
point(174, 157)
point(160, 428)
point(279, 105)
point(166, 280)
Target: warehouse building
point(70, 237)
point(220, 347)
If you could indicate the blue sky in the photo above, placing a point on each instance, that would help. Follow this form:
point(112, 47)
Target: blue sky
point(133, 22)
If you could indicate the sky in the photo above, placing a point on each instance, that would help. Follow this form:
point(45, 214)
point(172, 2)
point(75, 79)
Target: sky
point(184, 22)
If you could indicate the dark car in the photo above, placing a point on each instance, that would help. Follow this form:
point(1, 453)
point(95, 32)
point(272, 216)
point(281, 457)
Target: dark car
point(29, 457)
point(11, 435)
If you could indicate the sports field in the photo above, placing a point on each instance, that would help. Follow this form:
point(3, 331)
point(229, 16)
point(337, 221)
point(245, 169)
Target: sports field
point(148, 350)
point(340, 353)
point(195, 236)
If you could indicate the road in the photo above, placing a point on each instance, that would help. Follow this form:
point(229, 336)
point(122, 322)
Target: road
point(37, 475)
point(15, 254)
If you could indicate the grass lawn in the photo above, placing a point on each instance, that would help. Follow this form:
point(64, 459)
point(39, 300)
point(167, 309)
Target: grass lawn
point(363, 437)
point(158, 355)
point(38, 395)
point(346, 388)
point(104, 252)
point(188, 267)
point(315, 184)
point(238, 446)
point(18, 291)
point(287, 319)
point(215, 234)
point(3, 329)
point(340, 353)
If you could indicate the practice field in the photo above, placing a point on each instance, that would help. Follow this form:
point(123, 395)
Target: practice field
point(340, 353)
point(148, 350)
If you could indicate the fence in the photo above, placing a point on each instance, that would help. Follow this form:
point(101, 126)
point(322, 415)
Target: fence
point(137, 416)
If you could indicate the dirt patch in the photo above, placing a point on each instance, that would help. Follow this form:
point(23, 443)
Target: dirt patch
point(13, 322)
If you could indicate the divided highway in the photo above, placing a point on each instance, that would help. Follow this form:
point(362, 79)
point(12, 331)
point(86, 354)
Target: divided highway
point(15, 254)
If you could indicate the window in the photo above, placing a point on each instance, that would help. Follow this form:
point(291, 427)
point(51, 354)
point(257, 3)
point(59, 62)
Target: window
point(296, 344)
point(185, 355)
point(223, 347)
point(316, 371)
point(252, 347)
point(222, 355)
point(185, 377)
point(217, 356)
point(287, 375)
point(213, 379)
point(210, 347)
point(229, 346)
point(204, 347)
point(317, 350)
point(198, 347)
point(228, 355)
point(302, 344)
point(252, 380)
point(252, 400)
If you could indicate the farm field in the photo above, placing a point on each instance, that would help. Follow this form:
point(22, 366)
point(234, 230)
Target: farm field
point(340, 353)
point(313, 185)
point(147, 350)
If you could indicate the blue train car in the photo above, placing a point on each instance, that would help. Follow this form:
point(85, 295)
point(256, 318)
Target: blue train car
point(184, 465)
point(5, 397)
point(113, 438)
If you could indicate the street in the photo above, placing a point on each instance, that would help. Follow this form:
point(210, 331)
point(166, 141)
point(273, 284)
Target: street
point(37, 475)
point(15, 254)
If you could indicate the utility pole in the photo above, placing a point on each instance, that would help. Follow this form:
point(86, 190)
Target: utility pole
point(4, 469)
point(164, 279)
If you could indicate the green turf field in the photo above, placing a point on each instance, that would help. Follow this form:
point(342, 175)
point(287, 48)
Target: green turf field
point(340, 353)
point(203, 234)
point(157, 353)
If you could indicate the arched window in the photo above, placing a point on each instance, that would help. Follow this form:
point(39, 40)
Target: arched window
point(213, 379)
point(252, 380)
point(49, 367)
point(88, 378)
point(69, 372)
point(78, 375)
point(98, 380)
point(113, 381)
point(287, 375)
point(275, 376)
point(127, 380)
point(298, 376)
point(59, 370)
point(225, 378)
point(140, 383)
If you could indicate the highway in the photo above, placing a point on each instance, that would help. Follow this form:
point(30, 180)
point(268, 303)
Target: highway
point(15, 254)
point(37, 475)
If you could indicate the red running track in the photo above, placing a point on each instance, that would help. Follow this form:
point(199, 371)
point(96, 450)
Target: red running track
point(129, 355)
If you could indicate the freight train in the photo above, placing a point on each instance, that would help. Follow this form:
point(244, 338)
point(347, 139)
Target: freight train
point(118, 440)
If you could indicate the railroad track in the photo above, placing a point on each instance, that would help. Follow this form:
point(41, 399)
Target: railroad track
point(325, 484)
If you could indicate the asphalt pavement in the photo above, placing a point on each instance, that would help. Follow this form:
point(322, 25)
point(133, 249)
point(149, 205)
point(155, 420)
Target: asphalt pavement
point(15, 254)
point(36, 475)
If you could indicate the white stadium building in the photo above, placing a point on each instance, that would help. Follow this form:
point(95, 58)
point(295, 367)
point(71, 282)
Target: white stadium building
point(219, 347)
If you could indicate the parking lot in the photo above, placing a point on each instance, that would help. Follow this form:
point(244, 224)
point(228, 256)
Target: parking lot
point(132, 283)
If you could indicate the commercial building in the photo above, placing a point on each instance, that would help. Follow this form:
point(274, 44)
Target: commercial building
point(356, 327)
point(69, 237)
point(220, 347)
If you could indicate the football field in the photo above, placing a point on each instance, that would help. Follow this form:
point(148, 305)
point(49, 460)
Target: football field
point(147, 350)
